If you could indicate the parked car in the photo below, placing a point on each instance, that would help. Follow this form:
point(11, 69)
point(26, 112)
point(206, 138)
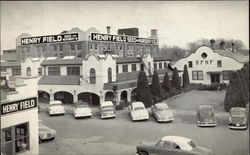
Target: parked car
point(238, 118)
point(173, 145)
point(162, 113)
point(45, 133)
point(205, 116)
point(107, 110)
point(138, 111)
point(55, 108)
point(82, 109)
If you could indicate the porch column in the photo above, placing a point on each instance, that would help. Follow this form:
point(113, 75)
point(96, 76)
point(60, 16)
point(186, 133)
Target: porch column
point(118, 96)
point(129, 95)
point(75, 97)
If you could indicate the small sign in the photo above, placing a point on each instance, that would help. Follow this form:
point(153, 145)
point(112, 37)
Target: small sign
point(49, 39)
point(122, 38)
point(19, 105)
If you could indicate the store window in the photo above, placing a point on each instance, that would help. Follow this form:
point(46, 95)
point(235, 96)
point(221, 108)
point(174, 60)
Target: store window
point(15, 139)
point(160, 65)
point(124, 68)
point(28, 71)
point(92, 76)
point(109, 74)
point(73, 70)
point(226, 75)
point(219, 63)
point(16, 71)
point(133, 67)
point(155, 65)
point(190, 64)
point(54, 71)
point(197, 75)
point(39, 71)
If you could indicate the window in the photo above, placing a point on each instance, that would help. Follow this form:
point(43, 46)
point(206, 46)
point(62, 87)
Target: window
point(165, 65)
point(190, 64)
point(197, 75)
point(61, 47)
point(219, 63)
point(91, 47)
point(121, 47)
point(16, 71)
point(92, 76)
point(28, 71)
point(104, 47)
point(4, 69)
point(155, 65)
point(133, 67)
point(55, 47)
point(15, 139)
point(226, 75)
point(72, 46)
point(39, 71)
point(160, 65)
point(96, 46)
point(117, 69)
point(73, 70)
point(109, 74)
point(109, 48)
point(116, 47)
point(54, 71)
point(79, 46)
point(124, 68)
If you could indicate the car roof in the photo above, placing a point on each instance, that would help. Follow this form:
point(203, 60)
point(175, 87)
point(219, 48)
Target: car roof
point(238, 109)
point(181, 141)
point(137, 104)
point(204, 106)
point(55, 102)
point(106, 103)
point(161, 105)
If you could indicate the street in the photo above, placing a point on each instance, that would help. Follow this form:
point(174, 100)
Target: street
point(93, 136)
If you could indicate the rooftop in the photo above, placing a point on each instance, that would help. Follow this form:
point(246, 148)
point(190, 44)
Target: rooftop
point(77, 61)
point(234, 55)
point(59, 80)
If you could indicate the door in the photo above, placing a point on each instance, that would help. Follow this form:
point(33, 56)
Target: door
point(215, 78)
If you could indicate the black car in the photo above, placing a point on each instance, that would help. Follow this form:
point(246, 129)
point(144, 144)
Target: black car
point(238, 118)
point(205, 116)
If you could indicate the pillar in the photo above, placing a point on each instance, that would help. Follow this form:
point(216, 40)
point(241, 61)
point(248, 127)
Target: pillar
point(129, 95)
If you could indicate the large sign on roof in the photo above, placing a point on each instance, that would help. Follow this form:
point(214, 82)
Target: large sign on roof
point(122, 38)
point(49, 39)
point(19, 105)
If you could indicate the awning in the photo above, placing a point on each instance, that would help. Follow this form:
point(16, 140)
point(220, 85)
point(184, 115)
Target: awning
point(214, 72)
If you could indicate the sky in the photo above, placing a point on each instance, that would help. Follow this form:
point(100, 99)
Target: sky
point(177, 22)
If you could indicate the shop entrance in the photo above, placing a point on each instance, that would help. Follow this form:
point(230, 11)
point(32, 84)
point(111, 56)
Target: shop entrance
point(215, 78)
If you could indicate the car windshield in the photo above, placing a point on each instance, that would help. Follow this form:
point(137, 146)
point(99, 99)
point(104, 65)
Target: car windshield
point(107, 108)
point(138, 108)
point(206, 112)
point(191, 143)
point(238, 113)
point(162, 109)
point(56, 104)
point(82, 106)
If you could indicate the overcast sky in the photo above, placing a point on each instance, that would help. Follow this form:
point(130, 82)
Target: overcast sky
point(177, 22)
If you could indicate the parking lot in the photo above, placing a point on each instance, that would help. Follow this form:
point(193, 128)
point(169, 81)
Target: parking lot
point(93, 136)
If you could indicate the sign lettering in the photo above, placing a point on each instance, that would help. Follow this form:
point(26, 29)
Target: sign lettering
point(18, 105)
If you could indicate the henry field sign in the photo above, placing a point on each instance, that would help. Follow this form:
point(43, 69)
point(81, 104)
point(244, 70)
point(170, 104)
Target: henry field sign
point(49, 39)
point(19, 105)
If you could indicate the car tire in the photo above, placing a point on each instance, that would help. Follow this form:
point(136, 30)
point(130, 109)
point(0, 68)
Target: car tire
point(143, 153)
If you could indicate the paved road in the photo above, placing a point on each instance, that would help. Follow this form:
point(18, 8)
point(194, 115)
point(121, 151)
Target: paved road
point(120, 136)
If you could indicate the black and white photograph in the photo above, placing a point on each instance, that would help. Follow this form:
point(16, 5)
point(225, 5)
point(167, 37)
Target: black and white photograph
point(124, 77)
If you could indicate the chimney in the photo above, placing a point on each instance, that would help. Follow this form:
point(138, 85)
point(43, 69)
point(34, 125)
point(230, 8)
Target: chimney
point(108, 29)
point(212, 42)
point(154, 33)
point(222, 45)
point(233, 48)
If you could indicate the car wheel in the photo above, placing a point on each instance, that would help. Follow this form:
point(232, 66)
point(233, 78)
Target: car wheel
point(143, 153)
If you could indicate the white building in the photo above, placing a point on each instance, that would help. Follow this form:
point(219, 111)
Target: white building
point(19, 117)
point(209, 66)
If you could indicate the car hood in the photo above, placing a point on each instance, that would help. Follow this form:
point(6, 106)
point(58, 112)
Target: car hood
point(83, 110)
point(202, 150)
point(140, 112)
point(165, 113)
point(236, 120)
point(57, 108)
point(205, 118)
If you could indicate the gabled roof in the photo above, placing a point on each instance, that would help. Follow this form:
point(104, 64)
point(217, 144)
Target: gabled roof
point(161, 59)
point(59, 80)
point(11, 64)
point(120, 60)
point(77, 61)
point(234, 55)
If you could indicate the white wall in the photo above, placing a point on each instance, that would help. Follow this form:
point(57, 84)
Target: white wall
point(33, 64)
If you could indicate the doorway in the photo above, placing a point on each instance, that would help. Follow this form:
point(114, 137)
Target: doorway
point(215, 78)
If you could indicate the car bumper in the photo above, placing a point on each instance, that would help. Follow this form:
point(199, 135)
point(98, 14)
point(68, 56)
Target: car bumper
point(206, 124)
point(108, 116)
point(240, 127)
point(140, 118)
point(82, 115)
point(48, 137)
point(165, 120)
point(56, 112)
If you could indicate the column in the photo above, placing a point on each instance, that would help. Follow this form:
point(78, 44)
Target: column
point(129, 95)
point(75, 97)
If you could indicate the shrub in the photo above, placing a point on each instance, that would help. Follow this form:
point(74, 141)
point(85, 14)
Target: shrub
point(174, 91)
point(176, 80)
point(166, 85)
point(155, 87)
point(185, 77)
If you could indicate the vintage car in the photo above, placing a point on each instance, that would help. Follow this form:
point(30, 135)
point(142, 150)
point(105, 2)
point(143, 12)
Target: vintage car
point(162, 113)
point(107, 110)
point(55, 108)
point(205, 116)
point(138, 111)
point(238, 118)
point(173, 145)
point(45, 133)
point(81, 109)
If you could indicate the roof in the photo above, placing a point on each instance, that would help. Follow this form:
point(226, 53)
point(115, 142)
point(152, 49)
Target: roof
point(204, 106)
point(11, 64)
point(236, 56)
point(59, 80)
point(127, 76)
point(120, 60)
point(181, 141)
point(77, 61)
point(161, 59)
point(55, 102)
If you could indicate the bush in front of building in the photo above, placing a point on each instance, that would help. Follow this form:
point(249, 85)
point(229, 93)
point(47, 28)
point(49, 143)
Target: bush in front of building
point(143, 93)
point(210, 87)
point(235, 95)
point(155, 87)
point(175, 83)
point(166, 85)
point(185, 77)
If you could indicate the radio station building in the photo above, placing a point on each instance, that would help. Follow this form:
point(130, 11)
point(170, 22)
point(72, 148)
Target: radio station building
point(210, 66)
point(19, 118)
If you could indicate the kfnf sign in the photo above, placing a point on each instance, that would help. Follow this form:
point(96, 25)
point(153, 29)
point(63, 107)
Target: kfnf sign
point(119, 38)
point(49, 39)
point(20, 105)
